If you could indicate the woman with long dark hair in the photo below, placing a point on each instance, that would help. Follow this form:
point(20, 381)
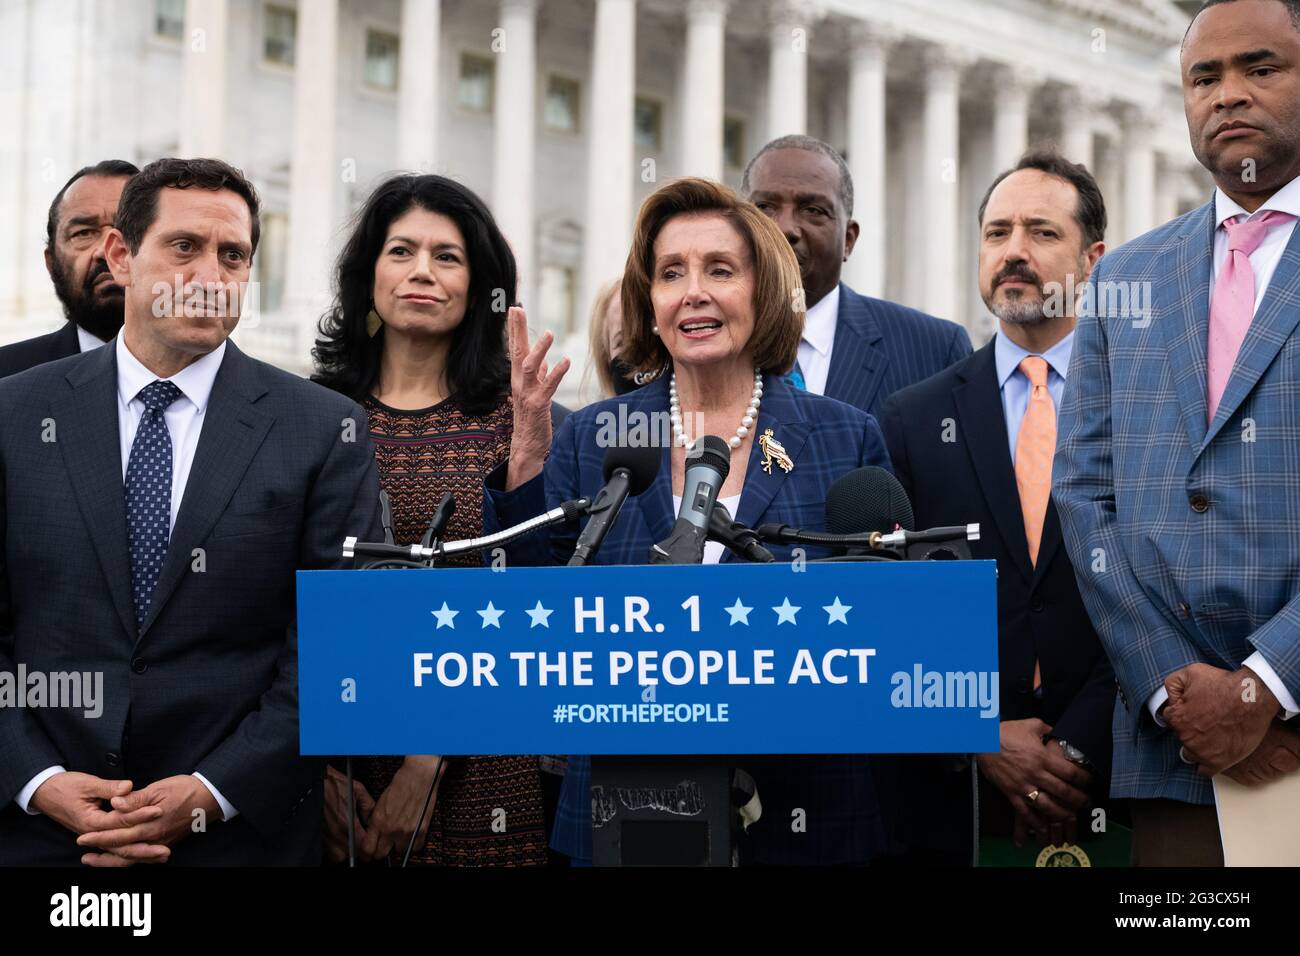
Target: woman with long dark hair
point(416, 335)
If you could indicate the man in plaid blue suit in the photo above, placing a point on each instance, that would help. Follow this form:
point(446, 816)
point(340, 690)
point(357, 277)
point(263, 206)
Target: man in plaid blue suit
point(1176, 484)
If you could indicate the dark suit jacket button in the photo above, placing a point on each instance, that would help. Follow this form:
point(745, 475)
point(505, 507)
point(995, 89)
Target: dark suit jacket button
point(139, 666)
point(1036, 607)
point(112, 759)
point(1200, 504)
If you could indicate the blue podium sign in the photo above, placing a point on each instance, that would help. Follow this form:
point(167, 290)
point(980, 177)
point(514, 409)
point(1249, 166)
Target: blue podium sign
point(862, 657)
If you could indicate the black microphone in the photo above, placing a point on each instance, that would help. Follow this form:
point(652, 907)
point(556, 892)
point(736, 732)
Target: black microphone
point(707, 463)
point(628, 470)
point(863, 509)
point(867, 499)
point(738, 538)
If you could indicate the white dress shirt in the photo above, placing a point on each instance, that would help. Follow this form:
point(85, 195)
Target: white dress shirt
point(712, 549)
point(1014, 383)
point(817, 340)
point(1263, 262)
point(185, 422)
point(86, 341)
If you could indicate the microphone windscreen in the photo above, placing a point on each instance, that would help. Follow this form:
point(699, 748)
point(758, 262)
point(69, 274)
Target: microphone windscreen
point(641, 461)
point(713, 451)
point(867, 499)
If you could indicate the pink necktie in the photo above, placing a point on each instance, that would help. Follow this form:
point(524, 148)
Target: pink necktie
point(1233, 304)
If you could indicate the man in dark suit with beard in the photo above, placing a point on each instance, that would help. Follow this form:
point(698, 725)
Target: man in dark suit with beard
point(80, 217)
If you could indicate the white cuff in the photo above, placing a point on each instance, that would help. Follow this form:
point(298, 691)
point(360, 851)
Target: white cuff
point(25, 795)
point(227, 811)
point(1274, 683)
point(1156, 701)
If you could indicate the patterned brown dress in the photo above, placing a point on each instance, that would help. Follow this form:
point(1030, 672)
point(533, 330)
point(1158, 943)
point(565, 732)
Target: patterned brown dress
point(421, 455)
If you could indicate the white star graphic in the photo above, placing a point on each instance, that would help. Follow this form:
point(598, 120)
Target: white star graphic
point(739, 613)
point(835, 612)
point(491, 616)
point(786, 612)
point(445, 616)
point(539, 615)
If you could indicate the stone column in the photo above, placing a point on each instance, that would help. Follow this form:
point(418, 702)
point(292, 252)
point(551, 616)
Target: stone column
point(1012, 89)
point(1139, 173)
point(515, 118)
point(313, 172)
point(417, 85)
point(865, 270)
point(702, 80)
point(937, 180)
point(203, 79)
point(610, 168)
point(787, 96)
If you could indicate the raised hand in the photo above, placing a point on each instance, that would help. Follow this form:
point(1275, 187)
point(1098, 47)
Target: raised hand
point(531, 391)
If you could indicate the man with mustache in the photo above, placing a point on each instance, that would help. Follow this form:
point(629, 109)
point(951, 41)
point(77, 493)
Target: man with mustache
point(1176, 469)
point(975, 443)
point(80, 217)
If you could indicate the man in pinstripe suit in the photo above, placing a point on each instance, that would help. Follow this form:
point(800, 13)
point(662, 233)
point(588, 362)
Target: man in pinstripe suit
point(1179, 445)
point(858, 350)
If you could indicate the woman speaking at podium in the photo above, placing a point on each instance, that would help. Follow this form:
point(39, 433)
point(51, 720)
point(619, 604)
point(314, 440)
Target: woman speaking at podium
point(712, 307)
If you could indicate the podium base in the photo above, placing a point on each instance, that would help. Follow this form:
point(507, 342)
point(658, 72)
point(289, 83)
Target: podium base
point(661, 811)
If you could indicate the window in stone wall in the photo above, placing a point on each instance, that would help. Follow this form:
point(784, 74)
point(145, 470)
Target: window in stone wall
point(649, 122)
point(558, 300)
point(280, 34)
point(561, 104)
point(477, 79)
point(733, 142)
point(381, 60)
point(169, 18)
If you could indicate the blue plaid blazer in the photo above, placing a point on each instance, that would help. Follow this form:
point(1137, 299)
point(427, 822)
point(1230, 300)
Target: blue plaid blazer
point(1185, 535)
point(825, 439)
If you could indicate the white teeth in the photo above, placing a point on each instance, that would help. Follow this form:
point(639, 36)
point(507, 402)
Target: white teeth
point(693, 326)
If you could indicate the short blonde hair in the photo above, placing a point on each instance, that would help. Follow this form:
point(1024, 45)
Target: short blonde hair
point(778, 289)
point(598, 332)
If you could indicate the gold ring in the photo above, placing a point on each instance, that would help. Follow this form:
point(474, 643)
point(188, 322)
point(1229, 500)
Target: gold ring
point(1032, 796)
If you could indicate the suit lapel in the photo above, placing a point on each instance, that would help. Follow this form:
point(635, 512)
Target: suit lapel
point(983, 429)
point(1269, 330)
point(651, 402)
point(779, 413)
point(66, 341)
point(857, 360)
point(1185, 322)
point(233, 430)
point(87, 433)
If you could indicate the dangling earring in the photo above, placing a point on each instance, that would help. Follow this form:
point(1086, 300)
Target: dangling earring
point(373, 323)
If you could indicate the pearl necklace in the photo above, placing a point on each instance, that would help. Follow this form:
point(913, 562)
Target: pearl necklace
point(746, 423)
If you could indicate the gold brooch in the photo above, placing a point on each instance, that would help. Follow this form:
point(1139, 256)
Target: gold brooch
point(773, 450)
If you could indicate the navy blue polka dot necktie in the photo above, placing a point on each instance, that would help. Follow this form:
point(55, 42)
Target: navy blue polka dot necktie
point(149, 494)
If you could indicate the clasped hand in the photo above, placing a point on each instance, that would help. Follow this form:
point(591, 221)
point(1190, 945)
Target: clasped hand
point(1225, 723)
point(140, 826)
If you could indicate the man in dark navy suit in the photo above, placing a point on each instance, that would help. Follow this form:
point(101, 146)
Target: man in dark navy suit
point(854, 348)
point(974, 444)
point(858, 350)
point(80, 217)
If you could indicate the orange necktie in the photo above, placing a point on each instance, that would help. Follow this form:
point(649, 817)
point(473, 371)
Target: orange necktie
point(1034, 449)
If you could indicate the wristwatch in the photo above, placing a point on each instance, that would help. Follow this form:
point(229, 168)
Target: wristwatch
point(1074, 754)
